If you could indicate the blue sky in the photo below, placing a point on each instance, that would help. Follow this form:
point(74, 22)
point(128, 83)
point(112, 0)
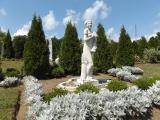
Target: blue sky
point(16, 15)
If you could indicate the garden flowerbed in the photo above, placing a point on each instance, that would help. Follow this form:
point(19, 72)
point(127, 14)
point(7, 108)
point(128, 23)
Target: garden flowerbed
point(131, 103)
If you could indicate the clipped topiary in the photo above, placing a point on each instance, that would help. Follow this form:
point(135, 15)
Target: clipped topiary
point(116, 85)
point(56, 92)
point(87, 87)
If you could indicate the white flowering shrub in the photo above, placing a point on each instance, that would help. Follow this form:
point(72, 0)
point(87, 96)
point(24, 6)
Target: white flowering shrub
point(132, 103)
point(133, 70)
point(127, 73)
point(114, 71)
point(9, 82)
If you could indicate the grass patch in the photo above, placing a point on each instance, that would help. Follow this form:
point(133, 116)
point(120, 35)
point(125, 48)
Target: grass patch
point(17, 64)
point(150, 70)
point(8, 101)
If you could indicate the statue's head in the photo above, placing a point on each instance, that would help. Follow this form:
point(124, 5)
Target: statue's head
point(88, 24)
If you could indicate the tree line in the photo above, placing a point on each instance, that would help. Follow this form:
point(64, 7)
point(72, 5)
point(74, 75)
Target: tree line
point(33, 48)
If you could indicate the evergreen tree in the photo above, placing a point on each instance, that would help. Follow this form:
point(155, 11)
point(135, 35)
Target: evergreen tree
point(55, 47)
point(113, 46)
point(142, 43)
point(125, 54)
point(103, 59)
point(36, 52)
point(135, 48)
point(70, 52)
point(8, 48)
point(18, 46)
point(2, 39)
point(153, 43)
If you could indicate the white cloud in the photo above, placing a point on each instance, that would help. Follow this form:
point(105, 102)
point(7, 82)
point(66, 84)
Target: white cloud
point(71, 16)
point(112, 34)
point(98, 9)
point(24, 30)
point(49, 21)
point(3, 12)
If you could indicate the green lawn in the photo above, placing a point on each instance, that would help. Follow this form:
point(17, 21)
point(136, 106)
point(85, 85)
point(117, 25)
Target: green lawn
point(8, 100)
point(11, 64)
point(150, 70)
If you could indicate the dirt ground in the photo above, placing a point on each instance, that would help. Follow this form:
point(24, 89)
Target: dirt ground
point(48, 85)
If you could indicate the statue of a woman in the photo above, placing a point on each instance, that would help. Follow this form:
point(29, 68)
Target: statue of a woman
point(88, 50)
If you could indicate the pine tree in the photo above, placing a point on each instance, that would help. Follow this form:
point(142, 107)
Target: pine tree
point(125, 54)
point(142, 43)
point(103, 59)
point(8, 48)
point(55, 47)
point(135, 48)
point(153, 43)
point(18, 46)
point(70, 52)
point(36, 52)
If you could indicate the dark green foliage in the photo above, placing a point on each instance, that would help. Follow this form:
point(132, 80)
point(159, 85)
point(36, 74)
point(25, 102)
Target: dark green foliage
point(116, 85)
point(113, 47)
point(142, 43)
point(18, 46)
point(125, 54)
point(145, 83)
point(103, 60)
point(2, 39)
point(55, 47)
point(8, 48)
point(57, 72)
point(153, 43)
point(1, 75)
point(135, 47)
point(70, 51)
point(87, 87)
point(36, 51)
point(57, 92)
point(12, 72)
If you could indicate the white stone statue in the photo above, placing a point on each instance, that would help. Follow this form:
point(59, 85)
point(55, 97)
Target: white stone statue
point(88, 51)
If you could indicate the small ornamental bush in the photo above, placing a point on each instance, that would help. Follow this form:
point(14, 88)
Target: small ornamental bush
point(57, 71)
point(116, 85)
point(145, 83)
point(56, 92)
point(87, 87)
point(12, 72)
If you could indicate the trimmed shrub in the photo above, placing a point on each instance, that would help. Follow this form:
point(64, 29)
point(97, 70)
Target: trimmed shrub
point(87, 87)
point(57, 71)
point(145, 83)
point(12, 72)
point(116, 85)
point(56, 92)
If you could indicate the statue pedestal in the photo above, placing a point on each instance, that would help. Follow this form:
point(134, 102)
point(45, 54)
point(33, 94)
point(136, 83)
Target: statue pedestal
point(73, 83)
